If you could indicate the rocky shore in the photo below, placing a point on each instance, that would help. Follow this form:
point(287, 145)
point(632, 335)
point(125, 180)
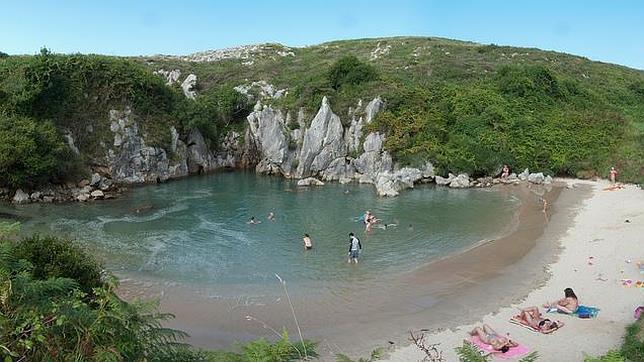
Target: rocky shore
point(275, 142)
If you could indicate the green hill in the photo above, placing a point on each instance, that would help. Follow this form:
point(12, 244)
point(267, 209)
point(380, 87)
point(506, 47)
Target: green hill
point(466, 107)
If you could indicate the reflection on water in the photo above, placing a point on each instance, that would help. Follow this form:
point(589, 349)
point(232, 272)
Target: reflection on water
point(194, 231)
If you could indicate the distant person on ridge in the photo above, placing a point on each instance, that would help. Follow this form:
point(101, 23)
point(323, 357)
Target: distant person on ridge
point(354, 248)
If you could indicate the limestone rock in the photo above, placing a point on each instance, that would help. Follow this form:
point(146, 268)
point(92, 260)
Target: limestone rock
point(268, 131)
point(188, 86)
point(96, 179)
point(310, 181)
point(97, 194)
point(547, 180)
point(536, 178)
point(83, 183)
point(48, 199)
point(373, 160)
point(35, 196)
point(82, 197)
point(323, 142)
point(461, 181)
point(390, 184)
point(340, 168)
point(443, 181)
point(428, 171)
point(524, 175)
point(170, 76)
point(20, 197)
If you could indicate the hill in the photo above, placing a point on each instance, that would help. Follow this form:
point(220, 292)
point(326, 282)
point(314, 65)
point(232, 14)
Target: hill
point(465, 107)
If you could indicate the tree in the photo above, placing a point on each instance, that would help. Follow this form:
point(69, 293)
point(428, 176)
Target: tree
point(350, 70)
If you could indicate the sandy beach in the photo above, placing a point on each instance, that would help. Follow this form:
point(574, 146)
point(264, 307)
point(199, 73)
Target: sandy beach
point(598, 229)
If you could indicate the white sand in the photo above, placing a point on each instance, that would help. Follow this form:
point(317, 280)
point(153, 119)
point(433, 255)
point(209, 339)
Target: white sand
point(599, 230)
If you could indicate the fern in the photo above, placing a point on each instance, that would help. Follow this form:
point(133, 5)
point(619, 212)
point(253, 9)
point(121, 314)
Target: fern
point(469, 353)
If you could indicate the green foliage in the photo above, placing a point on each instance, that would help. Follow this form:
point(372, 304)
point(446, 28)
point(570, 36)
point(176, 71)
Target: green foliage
point(375, 355)
point(611, 356)
point(349, 70)
point(531, 357)
point(261, 350)
point(31, 152)
point(45, 315)
point(633, 347)
point(469, 353)
point(4, 55)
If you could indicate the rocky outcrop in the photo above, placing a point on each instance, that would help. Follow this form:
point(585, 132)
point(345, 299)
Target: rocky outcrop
point(267, 129)
point(536, 178)
point(310, 181)
point(20, 197)
point(443, 181)
point(188, 86)
point(171, 76)
point(460, 182)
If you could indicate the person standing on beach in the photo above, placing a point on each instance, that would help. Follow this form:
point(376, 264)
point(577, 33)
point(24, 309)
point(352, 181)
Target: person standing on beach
point(308, 244)
point(354, 248)
point(613, 175)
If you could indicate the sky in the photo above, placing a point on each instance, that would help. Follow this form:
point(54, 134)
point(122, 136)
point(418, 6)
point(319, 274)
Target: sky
point(609, 30)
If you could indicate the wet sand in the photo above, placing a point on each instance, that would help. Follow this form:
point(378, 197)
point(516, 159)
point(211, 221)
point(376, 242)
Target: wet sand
point(441, 294)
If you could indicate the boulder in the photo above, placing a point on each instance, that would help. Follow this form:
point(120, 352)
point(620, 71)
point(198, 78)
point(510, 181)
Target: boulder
point(461, 181)
point(96, 179)
point(536, 178)
point(524, 175)
point(97, 194)
point(35, 196)
point(310, 181)
point(442, 181)
point(428, 171)
point(547, 180)
point(105, 184)
point(20, 197)
point(48, 199)
point(188, 86)
point(82, 197)
point(83, 183)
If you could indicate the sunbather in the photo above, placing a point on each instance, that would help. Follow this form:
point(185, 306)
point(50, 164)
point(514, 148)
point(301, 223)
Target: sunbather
point(488, 336)
point(531, 317)
point(568, 304)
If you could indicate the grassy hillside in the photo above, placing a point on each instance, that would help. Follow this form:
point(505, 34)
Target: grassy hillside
point(465, 106)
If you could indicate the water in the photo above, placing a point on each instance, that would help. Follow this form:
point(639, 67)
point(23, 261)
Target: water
point(194, 232)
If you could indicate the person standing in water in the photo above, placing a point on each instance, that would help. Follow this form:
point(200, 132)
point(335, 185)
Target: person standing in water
point(354, 248)
point(308, 244)
point(271, 216)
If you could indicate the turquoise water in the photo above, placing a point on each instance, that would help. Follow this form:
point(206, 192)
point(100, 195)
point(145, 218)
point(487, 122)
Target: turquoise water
point(194, 231)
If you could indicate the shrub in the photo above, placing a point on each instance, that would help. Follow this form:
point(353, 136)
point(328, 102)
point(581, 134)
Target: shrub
point(31, 152)
point(350, 70)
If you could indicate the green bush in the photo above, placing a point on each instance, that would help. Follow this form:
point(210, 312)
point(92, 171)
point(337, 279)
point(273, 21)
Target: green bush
point(31, 152)
point(350, 70)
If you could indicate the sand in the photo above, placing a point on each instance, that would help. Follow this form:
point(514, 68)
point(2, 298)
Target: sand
point(599, 229)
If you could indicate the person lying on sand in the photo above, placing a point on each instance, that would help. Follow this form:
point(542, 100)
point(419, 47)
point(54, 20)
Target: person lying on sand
point(533, 318)
point(568, 304)
point(488, 336)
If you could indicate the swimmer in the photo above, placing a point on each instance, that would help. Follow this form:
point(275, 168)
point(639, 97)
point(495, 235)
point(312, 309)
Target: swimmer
point(545, 205)
point(308, 244)
point(271, 216)
point(253, 221)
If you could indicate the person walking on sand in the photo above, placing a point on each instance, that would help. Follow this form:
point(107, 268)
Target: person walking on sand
point(613, 175)
point(354, 248)
point(308, 244)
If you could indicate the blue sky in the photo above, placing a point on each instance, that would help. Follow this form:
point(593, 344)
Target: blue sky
point(609, 30)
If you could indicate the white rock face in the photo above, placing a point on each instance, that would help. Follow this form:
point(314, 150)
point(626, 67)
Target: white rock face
point(461, 181)
point(243, 52)
point(97, 194)
point(547, 180)
point(442, 181)
point(323, 142)
point(170, 76)
point(390, 184)
point(20, 197)
point(261, 89)
point(268, 130)
point(374, 160)
point(96, 179)
point(188, 86)
point(524, 175)
point(310, 181)
point(536, 178)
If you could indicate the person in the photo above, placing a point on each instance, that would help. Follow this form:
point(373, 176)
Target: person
point(354, 248)
point(271, 216)
point(568, 304)
point(532, 317)
point(506, 171)
point(308, 245)
point(253, 221)
point(487, 335)
point(370, 220)
point(613, 175)
point(545, 204)
point(366, 217)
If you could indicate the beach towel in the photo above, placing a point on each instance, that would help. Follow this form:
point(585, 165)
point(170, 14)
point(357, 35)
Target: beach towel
point(514, 352)
point(582, 311)
point(520, 322)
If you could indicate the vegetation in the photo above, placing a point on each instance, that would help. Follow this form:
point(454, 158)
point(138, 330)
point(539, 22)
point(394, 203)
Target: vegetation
point(632, 348)
point(470, 353)
point(467, 107)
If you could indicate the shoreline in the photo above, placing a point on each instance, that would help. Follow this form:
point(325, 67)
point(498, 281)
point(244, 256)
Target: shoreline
point(214, 322)
point(589, 233)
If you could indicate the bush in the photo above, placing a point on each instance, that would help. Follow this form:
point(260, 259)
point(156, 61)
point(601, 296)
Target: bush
point(350, 70)
point(31, 152)
point(53, 257)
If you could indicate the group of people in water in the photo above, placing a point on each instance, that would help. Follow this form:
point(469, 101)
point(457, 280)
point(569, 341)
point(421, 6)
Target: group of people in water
point(530, 317)
point(355, 246)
